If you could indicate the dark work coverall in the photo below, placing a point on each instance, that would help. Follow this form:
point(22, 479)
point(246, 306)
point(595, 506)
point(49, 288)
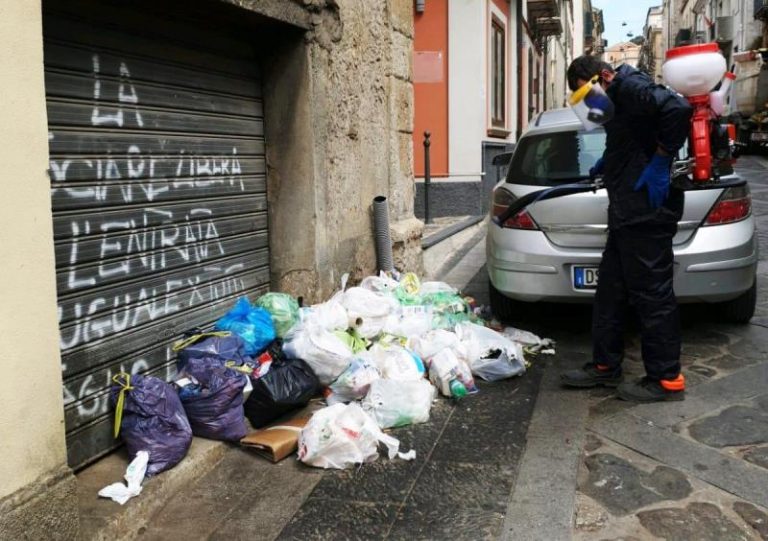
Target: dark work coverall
point(637, 265)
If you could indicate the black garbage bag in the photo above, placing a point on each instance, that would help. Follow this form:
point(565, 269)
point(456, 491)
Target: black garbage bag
point(213, 399)
point(289, 384)
point(222, 345)
point(149, 417)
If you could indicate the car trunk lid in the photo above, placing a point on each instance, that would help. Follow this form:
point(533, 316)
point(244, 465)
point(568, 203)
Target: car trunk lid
point(581, 220)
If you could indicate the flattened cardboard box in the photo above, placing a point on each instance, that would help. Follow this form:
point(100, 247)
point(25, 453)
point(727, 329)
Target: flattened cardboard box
point(277, 441)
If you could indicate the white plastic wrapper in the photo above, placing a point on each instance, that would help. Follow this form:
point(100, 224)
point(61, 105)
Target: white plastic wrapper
point(399, 403)
point(395, 362)
point(343, 435)
point(527, 338)
point(134, 476)
point(431, 343)
point(323, 351)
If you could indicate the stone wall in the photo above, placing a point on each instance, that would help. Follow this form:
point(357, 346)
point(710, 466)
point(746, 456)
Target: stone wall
point(357, 131)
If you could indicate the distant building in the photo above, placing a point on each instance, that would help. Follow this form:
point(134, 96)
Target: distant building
point(483, 69)
point(593, 29)
point(622, 53)
point(652, 49)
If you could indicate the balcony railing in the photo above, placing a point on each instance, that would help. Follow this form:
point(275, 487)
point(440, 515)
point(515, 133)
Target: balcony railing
point(549, 26)
point(542, 8)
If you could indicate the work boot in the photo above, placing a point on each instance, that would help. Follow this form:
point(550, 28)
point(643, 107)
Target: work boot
point(648, 390)
point(592, 375)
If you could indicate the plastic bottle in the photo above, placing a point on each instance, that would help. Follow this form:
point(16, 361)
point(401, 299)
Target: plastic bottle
point(457, 389)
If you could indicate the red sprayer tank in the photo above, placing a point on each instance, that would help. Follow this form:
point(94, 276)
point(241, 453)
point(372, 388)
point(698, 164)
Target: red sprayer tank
point(693, 71)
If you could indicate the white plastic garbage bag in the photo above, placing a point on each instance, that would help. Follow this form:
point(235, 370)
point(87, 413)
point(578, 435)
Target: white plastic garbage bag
point(330, 315)
point(450, 374)
point(496, 366)
point(355, 381)
point(134, 475)
point(399, 403)
point(490, 355)
point(324, 352)
point(409, 321)
point(428, 288)
point(380, 284)
point(431, 343)
point(341, 436)
point(395, 362)
point(369, 308)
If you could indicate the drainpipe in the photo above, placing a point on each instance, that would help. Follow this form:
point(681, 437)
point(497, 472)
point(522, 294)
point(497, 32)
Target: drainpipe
point(519, 17)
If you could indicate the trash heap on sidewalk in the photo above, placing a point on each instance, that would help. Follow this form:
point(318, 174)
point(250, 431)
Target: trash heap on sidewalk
point(378, 353)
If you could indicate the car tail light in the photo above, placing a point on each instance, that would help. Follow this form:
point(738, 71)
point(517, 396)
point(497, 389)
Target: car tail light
point(522, 220)
point(733, 206)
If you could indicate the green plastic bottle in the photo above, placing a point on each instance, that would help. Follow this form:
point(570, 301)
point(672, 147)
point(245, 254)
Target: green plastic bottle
point(457, 389)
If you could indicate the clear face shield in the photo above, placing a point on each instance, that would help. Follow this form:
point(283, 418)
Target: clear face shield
point(591, 104)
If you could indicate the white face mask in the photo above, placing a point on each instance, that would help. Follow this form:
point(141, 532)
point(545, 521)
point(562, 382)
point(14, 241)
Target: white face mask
point(591, 104)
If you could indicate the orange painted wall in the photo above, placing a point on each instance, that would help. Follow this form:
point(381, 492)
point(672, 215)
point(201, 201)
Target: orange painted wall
point(431, 98)
point(503, 5)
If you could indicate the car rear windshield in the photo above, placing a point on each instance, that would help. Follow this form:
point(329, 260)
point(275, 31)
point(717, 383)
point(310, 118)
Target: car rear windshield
point(551, 159)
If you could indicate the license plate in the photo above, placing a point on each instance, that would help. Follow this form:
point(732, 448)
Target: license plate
point(585, 277)
point(759, 136)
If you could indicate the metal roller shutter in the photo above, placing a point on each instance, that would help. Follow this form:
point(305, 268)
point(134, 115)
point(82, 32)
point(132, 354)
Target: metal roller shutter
point(158, 189)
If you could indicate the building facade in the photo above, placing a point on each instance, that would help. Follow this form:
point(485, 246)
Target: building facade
point(163, 158)
point(482, 70)
point(622, 53)
point(652, 50)
point(739, 29)
point(593, 29)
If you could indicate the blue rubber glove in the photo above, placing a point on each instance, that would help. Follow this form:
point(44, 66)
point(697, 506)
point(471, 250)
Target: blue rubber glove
point(597, 169)
point(655, 178)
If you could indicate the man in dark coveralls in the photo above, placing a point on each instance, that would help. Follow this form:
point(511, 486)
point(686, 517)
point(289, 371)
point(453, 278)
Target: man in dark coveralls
point(646, 127)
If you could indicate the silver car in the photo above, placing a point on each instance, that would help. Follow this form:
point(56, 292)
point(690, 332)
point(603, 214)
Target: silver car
point(552, 249)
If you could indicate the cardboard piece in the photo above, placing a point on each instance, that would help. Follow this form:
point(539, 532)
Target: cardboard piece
point(277, 441)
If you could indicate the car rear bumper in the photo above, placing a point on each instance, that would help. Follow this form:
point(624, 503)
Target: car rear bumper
point(716, 264)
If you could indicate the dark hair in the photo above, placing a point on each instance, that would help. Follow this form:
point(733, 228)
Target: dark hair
point(585, 67)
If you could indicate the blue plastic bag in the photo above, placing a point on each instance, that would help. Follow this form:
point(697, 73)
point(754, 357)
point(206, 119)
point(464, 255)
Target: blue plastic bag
point(213, 399)
point(150, 417)
point(252, 324)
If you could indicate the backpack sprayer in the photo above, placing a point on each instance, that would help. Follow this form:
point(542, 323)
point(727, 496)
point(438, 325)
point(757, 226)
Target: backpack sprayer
point(692, 71)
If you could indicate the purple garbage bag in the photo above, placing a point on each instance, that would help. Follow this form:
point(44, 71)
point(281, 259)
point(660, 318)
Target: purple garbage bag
point(224, 346)
point(215, 406)
point(150, 417)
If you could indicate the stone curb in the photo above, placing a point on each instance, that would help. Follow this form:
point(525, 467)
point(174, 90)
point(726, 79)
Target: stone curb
point(103, 519)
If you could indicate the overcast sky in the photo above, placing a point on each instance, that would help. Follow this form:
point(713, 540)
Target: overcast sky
point(616, 12)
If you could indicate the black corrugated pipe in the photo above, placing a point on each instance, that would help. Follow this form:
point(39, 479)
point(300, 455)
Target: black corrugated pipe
point(384, 258)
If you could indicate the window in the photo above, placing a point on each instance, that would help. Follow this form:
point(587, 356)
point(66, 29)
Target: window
point(498, 75)
point(555, 158)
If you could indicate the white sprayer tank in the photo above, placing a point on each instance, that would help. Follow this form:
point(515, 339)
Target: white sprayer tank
point(694, 70)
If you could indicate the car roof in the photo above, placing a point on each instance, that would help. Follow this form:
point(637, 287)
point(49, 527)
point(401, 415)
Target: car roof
point(560, 118)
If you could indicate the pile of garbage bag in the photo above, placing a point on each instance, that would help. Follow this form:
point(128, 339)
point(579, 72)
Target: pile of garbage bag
point(378, 353)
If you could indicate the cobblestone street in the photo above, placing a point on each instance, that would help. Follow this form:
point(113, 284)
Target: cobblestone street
point(697, 469)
